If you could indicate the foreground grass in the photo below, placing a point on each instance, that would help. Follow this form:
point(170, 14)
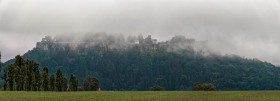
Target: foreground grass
point(142, 96)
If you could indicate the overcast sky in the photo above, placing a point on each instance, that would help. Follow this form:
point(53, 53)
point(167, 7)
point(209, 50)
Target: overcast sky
point(249, 28)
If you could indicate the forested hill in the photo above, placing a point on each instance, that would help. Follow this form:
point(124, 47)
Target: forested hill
point(138, 63)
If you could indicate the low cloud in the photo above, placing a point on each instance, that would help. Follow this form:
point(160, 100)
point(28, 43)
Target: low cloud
point(249, 28)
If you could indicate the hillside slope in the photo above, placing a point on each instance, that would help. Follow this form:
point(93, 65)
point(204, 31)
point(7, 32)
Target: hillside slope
point(140, 66)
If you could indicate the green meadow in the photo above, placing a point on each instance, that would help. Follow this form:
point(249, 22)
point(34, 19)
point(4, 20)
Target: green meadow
point(141, 96)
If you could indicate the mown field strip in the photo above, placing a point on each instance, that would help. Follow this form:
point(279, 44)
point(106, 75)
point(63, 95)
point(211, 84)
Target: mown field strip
point(142, 96)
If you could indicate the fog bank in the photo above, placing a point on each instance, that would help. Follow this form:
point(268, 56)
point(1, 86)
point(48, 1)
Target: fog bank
point(249, 28)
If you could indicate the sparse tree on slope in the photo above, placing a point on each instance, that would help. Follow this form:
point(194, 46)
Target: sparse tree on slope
point(35, 76)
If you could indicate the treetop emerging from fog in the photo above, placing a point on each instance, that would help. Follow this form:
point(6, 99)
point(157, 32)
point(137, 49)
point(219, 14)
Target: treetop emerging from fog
point(119, 42)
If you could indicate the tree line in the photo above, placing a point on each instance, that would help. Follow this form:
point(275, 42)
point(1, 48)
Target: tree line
point(24, 75)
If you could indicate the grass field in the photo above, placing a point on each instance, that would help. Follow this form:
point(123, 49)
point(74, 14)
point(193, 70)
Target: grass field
point(142, 96)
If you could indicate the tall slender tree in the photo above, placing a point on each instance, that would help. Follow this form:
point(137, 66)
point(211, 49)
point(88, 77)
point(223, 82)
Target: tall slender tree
point(25, 75)
point(52, 82)
point(73, 82)
point(0, 62)
point(37, 76)
point(59, 80)
point(17, 77)
point(45, 79)
point(4, 77)
point(20, 77)
point(64, 84)
point(20, 72)
point(33, 82)
point(28, 82)
point(19, 61)
point(11, 76)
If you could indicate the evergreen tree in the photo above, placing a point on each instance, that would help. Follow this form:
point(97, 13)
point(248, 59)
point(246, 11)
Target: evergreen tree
point(11, 76)
point(52, 82)
point(45, 79)
point(59, 80)
point(45, 69)
point(0, 62)
point(4, 77)
point(65, 84)
point(73, 83)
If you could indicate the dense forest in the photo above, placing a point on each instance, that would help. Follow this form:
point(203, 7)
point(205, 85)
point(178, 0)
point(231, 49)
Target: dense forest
point(176, 64)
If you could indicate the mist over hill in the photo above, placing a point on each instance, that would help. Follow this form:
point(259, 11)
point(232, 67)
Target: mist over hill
point(139, 62)
point(108, 42)
point(248, 28)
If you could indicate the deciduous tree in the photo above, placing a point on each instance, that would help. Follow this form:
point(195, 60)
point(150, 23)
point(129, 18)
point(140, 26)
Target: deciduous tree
point(90, 83)
point(20, 72)
point(11, 76)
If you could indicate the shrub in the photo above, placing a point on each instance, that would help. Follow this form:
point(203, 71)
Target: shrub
point(204, 87)
point(80, 89)
point(156, 88)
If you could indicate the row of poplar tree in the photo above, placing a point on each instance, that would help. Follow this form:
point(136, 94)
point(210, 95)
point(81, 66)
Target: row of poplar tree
point(24, 75)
